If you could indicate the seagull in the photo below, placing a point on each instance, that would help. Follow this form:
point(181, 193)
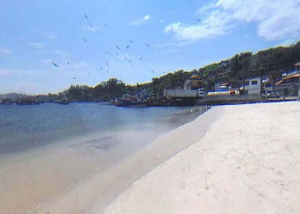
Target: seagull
point(126, 58)
point(198, 20)
point(107, 64)
point(118, 47)
point(101, 68)
point(74, 78)
point(109, 53)
point(141, 57)
point(117, 53)
point(153, 71)
point(128, 46)
point(91, 25)
point(86, 16)
point(106, 25)
point(69, 62)
point(56, 65)
point(84, 40)
point(147, 45)
point(89, 73)
point(130, 41)
point(107, 71)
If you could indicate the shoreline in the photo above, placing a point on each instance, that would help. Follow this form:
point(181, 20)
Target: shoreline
point(93, 195)
point(247, 162)
point(65, 169)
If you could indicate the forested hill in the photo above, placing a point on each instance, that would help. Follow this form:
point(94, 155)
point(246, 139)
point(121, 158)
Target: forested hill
point(267, 63)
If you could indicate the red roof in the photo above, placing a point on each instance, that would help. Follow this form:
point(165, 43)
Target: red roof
point(287, 78)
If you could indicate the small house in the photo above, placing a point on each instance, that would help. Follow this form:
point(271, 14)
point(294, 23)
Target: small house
point(253, 86)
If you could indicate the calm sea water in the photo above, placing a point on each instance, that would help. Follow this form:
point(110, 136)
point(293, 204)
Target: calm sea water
point(27, 127)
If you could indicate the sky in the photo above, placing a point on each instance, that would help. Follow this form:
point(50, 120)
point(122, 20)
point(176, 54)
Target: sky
point(46, 46)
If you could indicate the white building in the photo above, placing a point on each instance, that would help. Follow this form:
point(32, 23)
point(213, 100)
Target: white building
point(253, 86)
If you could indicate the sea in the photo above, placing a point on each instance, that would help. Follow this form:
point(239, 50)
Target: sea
point(33, 126)
point(49, 151)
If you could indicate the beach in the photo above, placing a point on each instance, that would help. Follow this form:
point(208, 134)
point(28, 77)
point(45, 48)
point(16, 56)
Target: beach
point(246, 162)
point(232, 159)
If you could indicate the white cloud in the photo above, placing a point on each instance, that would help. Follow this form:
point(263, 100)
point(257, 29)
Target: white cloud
point(5, 51)
point(36, 45)
point(141, 20)
point(275, 20)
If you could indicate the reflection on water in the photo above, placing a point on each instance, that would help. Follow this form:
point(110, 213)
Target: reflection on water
point(26, 127)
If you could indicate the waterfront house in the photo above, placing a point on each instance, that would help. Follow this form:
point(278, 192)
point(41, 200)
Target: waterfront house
point(289, 83)
point(266, 86)
point(253, 86)
point(193, 83)
point(229, 85)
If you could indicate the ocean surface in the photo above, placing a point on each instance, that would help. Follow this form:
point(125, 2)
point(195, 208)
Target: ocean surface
point(33, 126)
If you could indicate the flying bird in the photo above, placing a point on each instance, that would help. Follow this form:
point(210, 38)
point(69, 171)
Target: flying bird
point(86, 16)
point(128, 46)
point(130, 41)
point(107, 64)
point(141, 57)
point(118, 47)
point(107, 71)
point(84, 40)
point(106, 25)
point(198, 20)
point(56, 65)
point(147, 45)
point(153, 71)
point(69, 62)
point(89, 73)
point(92, 26)
point(117, 53)
point(101, 68)
point(74, 78)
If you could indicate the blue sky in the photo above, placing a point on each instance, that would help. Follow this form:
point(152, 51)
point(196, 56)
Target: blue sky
point(34, 34)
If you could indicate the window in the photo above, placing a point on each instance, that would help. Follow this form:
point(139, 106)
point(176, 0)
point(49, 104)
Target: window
point(246, 83)
point(254, 82)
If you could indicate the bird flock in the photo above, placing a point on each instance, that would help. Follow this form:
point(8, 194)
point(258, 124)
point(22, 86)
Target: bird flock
point(115, 52)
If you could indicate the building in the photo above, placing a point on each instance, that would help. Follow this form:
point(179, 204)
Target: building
point(226, 86)
point(253, 86)
point(289, 83)
point(193, 83)
point(266, 86)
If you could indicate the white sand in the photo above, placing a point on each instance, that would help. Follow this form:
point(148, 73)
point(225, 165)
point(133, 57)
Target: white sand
point(248, 162)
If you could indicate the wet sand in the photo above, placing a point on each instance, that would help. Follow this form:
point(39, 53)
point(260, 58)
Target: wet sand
point(247, 162)
point(83, 177)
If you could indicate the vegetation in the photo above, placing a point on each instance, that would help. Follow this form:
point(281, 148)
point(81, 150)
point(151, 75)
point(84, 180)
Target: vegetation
point(268, 63)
